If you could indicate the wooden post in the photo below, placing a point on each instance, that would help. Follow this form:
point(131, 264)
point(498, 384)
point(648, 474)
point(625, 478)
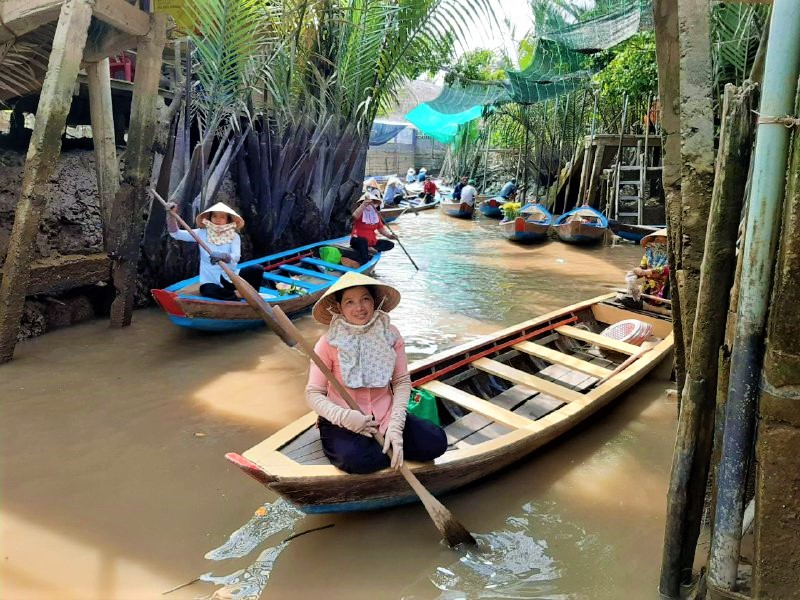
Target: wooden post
point(594, 178)
point(126, 223)
point(43, 152)
point(105, 150)
point(665, 13)
point(776, 567)
point(697, 150)
point(696, 422)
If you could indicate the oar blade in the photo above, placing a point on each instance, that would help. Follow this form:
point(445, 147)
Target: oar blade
point(453, 532)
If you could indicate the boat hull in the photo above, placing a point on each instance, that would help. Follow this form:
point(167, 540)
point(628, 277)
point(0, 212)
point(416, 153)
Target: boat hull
point(318, 487)
point(459, 211)
point(491, 208)
point(630, 232)
point(579, 233)
point(185, 307)
point(524, 231)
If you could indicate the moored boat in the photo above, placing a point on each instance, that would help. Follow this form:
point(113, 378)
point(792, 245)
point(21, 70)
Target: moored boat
point(531, 225)
point(303, 276)
point(492, 207)
point(632, 232)
point(459, 210)
point(499, 398)
point(581, 225)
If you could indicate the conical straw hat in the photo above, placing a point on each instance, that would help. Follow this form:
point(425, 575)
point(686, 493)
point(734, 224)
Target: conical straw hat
point(219, 207)
point(386, 297)
point(651, 237)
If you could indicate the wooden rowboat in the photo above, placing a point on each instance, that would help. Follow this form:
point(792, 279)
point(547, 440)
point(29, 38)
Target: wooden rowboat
point(632, 232)
point(459, 210)
point(300, 267)
point(392, 213)
point(491, 207)
point(531, 225)
point(499, 397)
point(582, 225)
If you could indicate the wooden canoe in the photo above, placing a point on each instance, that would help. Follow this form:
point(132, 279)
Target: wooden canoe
point(532, 224)
point(459, 210)
point(491, 208)
point(582, 225)
point(300, 267)
point(499, 397)
point(632, 232)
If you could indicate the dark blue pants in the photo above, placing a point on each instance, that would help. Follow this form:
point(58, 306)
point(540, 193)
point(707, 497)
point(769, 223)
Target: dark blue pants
point(355, 453)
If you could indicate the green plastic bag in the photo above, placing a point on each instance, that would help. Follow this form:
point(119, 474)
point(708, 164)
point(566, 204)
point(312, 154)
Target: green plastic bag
point(330, 255)
point(422, 404)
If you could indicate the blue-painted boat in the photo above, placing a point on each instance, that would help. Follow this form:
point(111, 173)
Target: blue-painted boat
point(303, 276)
point(492, 207)
point(631, 232)
point(531, 225)
point(459, 210)
point(496, 407)
point(581, 225)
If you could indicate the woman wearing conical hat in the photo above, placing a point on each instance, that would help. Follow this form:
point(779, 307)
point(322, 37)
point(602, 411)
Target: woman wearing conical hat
point(217, 227)
point(367, 355)
point(653, 268)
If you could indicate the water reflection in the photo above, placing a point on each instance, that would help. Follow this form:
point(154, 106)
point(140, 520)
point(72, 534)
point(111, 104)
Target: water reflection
point(249, 583)
point(521, 561)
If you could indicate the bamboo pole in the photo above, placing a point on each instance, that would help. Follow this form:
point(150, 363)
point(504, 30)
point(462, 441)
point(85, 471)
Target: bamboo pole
point(105, 151)
point(695, 435)
point(589, 146)
point(525, 166)
point(43, 151)
point(665, 15)
point(574, 154)
point(782, 66)
point(540, 157)
point(776, 563)
point(132, 196)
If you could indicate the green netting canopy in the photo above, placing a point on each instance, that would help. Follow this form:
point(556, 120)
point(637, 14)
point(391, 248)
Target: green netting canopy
point(558, 67)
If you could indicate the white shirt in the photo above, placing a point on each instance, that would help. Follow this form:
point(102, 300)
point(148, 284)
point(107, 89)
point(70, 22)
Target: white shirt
point(211, 273)
point(468, 193)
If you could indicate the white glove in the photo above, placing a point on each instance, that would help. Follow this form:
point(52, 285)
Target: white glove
point(340, 416)
point(401, 385)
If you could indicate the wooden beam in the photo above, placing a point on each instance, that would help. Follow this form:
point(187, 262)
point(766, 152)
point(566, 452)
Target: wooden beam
point(52, 275)
point(23, 16)
point(597, 340)
point(111, 44)
point(559, 358)
point(105, 150)
point(43, 152)
point(521, 377)
point(477, 405)
point(127, 224)
point(122, 16)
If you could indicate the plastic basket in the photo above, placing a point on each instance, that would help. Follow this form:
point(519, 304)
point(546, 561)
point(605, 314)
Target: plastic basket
point(631, 331)
point(422, 404)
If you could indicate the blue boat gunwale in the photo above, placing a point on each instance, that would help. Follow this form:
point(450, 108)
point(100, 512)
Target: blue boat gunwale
point(602, 224)
point(176, 287)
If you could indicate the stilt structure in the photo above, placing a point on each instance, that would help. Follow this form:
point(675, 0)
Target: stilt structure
point(130, 27)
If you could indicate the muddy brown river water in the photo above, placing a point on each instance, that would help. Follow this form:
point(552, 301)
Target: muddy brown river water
point(114, 483)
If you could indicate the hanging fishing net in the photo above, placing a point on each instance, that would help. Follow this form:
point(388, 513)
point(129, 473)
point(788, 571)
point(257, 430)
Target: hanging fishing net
point(559, 65)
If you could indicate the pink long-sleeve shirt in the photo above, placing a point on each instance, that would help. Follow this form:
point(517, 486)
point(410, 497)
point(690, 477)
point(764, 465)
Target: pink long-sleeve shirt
point(374, 401)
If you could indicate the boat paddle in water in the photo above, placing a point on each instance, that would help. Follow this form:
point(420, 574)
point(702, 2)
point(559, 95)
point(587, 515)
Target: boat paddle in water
point(498, 398)
point(453, 532)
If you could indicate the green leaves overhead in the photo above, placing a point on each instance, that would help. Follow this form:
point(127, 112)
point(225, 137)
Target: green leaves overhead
point(228, 35)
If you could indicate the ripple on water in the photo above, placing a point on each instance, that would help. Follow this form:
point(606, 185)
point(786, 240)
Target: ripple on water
point(522, 561)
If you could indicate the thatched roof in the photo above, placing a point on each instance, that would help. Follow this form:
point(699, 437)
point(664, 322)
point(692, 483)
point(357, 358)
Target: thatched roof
point(23, 62)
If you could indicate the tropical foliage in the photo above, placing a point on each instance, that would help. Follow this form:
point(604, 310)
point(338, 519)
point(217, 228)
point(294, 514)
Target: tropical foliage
point(283, 96)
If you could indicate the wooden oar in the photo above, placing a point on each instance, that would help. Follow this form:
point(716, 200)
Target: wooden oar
point(623, 365)
point(396, 237)
point(452, 531)
point(245, 289)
